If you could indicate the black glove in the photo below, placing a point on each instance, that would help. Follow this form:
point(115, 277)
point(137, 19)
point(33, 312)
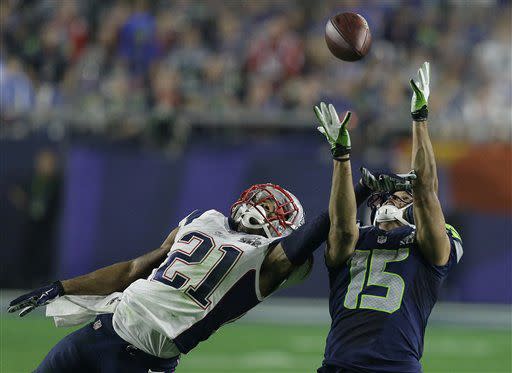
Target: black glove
point(36, 298)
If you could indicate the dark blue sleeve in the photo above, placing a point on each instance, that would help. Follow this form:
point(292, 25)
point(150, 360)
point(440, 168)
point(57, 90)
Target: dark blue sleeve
point(362, 193)
point(300, 244)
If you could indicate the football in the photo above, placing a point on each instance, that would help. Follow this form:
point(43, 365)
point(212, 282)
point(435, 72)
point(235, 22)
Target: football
point(348, 36)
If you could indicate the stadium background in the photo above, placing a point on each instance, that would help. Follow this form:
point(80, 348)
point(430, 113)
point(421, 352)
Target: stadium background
point(120, 117)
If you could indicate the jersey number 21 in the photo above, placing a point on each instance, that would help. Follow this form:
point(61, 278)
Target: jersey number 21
point(200, 246)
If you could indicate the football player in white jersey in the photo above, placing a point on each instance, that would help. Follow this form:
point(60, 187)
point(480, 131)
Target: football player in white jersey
point(210, 270)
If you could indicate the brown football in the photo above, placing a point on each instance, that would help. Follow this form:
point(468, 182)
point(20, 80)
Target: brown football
point(348, 36)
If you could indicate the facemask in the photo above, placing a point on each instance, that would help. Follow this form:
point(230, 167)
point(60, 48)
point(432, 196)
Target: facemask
point(252, 217)
point(391, 213)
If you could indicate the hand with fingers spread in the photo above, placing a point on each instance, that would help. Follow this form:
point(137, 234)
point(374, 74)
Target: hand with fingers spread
point(335, 131)
point(421, 91)
point(387, 182)
point(40, 297)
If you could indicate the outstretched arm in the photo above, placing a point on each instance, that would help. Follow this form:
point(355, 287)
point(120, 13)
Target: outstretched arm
point(428, 215)
point(119, 276)
point(104, 281)
point(337, 226)
point(343, 232)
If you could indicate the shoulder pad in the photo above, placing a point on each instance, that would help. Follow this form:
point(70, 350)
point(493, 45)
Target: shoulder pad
point(193, 215)
point(410, 238)
point(364, 230)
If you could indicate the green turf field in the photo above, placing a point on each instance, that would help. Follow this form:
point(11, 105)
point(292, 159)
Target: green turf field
point(270, 348)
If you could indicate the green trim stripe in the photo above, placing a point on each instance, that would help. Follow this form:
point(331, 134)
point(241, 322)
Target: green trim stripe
point(453, 232)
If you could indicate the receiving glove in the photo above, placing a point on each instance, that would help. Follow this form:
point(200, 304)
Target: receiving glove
point(396, 182)
point(369, 180)
point(40, 297)
point(421, 91)
point(387, 182)
point(335, 131)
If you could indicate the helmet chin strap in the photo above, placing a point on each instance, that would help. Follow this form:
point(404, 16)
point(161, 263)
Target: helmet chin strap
point(247, 215)
point(391, 213)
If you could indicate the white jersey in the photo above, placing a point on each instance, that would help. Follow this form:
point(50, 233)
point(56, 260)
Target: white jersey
point(210, 277)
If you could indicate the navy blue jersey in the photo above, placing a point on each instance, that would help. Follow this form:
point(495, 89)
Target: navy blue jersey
point(380, 301)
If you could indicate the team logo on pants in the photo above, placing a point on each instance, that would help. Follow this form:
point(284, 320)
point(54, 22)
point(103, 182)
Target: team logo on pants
point(96, 325)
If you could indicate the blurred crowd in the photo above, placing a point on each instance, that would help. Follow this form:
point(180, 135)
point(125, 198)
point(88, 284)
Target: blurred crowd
point(115, 66)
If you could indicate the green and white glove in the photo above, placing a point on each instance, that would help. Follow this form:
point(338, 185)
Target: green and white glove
point(335, 131)
point(370, 180)
point(421, 91)
point(392, 183)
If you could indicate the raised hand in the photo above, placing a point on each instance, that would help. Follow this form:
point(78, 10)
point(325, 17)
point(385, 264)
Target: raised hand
point(335, 131)
point(387, 182)
point(391, 183)
point(421, 92)
point(370, 180)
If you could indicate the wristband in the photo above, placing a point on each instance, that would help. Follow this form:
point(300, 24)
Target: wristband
point(340, 150)
point(421, 114)
point(340, 159)
point(58, 287)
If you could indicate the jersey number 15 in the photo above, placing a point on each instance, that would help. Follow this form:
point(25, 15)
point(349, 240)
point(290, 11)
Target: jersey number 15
point(367, 268)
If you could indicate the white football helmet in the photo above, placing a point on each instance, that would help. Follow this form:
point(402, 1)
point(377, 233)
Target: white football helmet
point(269, 207)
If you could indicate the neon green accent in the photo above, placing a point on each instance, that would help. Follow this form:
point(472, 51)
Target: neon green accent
point(453, 232)
point(335, 131)
point(380, 277)
point(358, 267)
point(421, 89)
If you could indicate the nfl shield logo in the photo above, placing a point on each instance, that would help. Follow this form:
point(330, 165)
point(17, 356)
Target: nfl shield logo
point(96, 325)
point(382, 239)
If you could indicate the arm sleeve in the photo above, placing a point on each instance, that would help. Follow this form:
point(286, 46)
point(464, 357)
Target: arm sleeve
point(299, 245)
point(362, 193)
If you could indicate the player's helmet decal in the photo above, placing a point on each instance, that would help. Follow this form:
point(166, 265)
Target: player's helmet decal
point(252, 210)
point(382, 212)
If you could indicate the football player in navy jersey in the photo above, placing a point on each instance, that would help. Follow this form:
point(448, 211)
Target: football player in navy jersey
point(385, 279)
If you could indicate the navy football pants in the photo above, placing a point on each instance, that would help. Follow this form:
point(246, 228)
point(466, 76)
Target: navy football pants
point(332, 369)
point(97, 348)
